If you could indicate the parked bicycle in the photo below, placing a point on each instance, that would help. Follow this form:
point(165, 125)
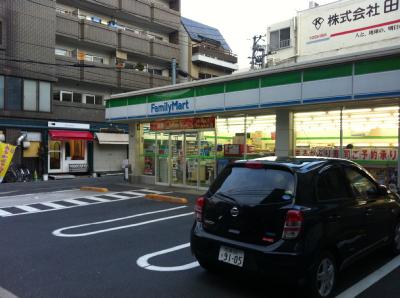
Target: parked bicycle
point(17, 173)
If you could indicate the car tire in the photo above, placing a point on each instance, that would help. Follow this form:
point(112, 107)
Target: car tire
point(396, 239)
point(321, 281)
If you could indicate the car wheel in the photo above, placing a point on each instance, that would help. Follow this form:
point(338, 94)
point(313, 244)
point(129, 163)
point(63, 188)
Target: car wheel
point(322, 279)
point(396, 240)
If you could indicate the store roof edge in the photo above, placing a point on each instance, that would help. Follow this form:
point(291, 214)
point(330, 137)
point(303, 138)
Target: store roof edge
point(256, 73)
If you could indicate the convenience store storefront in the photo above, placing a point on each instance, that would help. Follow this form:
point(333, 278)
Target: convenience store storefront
point(344, 108)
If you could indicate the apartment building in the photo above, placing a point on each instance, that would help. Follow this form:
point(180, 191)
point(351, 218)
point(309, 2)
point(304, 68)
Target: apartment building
point(60, 59)
point(204, 52)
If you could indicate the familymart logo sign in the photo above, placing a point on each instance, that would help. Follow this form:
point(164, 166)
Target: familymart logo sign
point(171, 107)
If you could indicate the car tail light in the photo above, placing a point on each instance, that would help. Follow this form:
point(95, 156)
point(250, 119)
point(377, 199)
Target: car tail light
point(253, 165)
point(198, 209)
point(293, 223)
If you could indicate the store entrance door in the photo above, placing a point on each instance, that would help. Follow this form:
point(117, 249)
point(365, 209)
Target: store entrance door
point(185, 159)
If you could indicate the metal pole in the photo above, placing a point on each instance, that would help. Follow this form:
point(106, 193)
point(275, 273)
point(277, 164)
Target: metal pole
point(341, 133)
point(173, 71)
point(245, 138)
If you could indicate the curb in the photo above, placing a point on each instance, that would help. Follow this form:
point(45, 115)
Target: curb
point(92, 188)
point(168, 199)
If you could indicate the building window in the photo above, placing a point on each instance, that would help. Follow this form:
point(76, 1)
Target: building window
point(203, 76)
point(63, 52)
point(279, 39)
point(1, 33)
point(1, 92)
point(77, 97)
point(44, 97)
point(98, 100)
point(89, 99)
point(155, 71)
point(14, 93)
point(96, 59)
point(56, 95)
point(66, 96)
point(30, 95)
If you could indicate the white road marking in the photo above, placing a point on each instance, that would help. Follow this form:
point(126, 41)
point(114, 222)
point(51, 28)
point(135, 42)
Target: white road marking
point(143, 261)
point(5, 213)
point(59, 232)
point(53, 205)
point(76, 202)
point(28, 208)
point(118, 196)
point(98, 199)
point(371, 279)
point(151, 191)
point(6, 294)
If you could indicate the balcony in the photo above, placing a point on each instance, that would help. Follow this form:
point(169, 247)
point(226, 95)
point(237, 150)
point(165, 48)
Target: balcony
point(133, 7)
point(132, 79)
point(67, 25)
point(165, 16)
point(164, 50)
point(160, 81)
point(99, 34)
point(217, 57)
point(102, 74)
point(108, 3)
point(68, 72)
point(133, 43)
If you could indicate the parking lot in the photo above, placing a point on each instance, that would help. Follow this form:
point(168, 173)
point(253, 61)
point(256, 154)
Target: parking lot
point(123, 245)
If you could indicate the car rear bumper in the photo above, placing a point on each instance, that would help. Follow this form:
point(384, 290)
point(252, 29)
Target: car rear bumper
point(260, 259)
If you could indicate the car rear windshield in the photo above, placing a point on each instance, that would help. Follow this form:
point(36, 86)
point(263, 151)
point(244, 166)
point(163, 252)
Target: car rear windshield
point(254, 186)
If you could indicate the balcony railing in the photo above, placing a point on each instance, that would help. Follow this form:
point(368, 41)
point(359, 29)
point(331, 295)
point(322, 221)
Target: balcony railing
point(215, 53)
point(164, 50)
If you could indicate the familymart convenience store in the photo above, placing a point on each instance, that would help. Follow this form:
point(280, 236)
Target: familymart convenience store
point(185, 134)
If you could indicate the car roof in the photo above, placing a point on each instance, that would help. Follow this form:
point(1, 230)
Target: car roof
point(298, 163)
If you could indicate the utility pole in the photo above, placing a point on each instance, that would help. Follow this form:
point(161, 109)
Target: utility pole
point(259, 53)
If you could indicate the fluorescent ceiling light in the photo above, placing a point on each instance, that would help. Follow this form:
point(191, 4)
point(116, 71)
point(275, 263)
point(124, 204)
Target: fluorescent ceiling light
point(384, 109)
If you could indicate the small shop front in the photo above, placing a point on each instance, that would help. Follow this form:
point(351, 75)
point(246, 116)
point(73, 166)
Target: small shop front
point(68, 151)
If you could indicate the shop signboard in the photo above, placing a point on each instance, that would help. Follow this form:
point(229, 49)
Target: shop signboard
point(359, 154)
point(68, 125)
point(348, 24)
point(6, 155)
point(183, 124)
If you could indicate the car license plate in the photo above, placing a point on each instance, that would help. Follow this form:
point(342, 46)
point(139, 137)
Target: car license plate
point(231, 256)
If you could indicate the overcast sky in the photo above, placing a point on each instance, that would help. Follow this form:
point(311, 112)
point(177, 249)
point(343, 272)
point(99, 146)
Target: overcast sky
point(240, 20)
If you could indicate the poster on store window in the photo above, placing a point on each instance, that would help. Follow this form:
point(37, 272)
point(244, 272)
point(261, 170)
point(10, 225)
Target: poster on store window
point(6, 155)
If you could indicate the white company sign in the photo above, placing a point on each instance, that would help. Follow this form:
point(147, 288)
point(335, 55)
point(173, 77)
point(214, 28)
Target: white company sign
point(345, 24)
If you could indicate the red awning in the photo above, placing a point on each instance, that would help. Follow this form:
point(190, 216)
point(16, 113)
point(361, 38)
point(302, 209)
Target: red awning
point(65, 135)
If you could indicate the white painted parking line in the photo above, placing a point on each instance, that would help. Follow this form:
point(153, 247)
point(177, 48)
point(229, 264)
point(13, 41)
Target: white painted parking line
point(60, 232)
point(143, 261)
point(76, 202)
point(118, 196)
point(97, 199)
point(151, 191)
point(5, 213)
point(53, 205)
point(28, 208)
point(371, 279)
point(6, 294)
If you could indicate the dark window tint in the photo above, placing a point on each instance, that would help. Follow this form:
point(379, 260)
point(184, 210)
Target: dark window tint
point(361, 185)
point(14, 94)
point(331, 185)
point(285, 34)
point(254, 186)
point(89, 99)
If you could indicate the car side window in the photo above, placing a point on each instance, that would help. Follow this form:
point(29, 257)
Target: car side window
point(361, 185)
point(331, 185)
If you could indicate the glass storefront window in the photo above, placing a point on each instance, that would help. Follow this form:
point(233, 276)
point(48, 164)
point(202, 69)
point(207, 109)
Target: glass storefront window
point(370, 138)
point(55, 155)
point(75, 150)
point(148, 155)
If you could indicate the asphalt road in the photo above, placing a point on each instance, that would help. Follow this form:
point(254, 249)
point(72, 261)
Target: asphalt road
point(93, 251)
